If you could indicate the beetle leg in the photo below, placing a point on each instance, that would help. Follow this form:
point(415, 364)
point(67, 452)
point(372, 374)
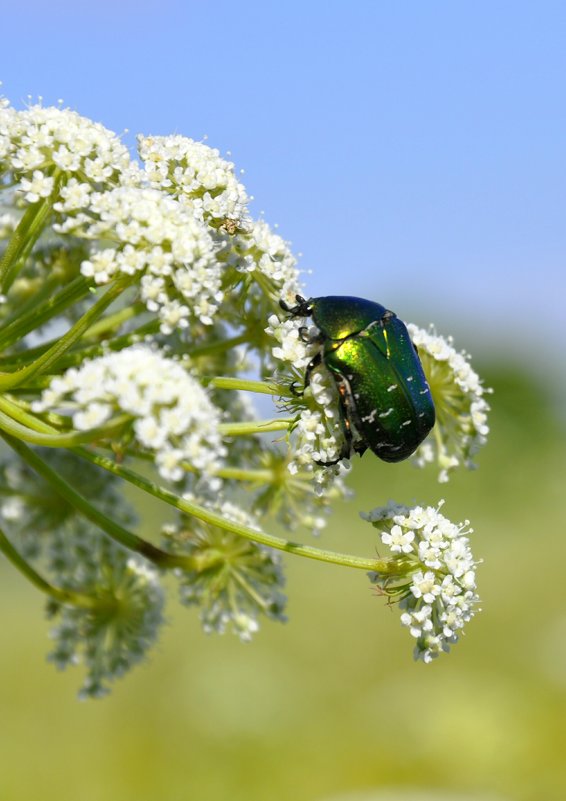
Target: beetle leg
point(315, 362)
point(302, 309)
point(312, 365)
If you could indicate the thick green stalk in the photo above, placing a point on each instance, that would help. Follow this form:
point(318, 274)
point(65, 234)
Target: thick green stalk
point(23, 324)
point(63, 439)
point(58, 594)
point(247, 385)
point(243, 429)
point(10, 380)
point(383, 566)
point(23, 238)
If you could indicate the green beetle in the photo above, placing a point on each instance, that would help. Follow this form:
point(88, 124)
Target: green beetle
point(386, 402)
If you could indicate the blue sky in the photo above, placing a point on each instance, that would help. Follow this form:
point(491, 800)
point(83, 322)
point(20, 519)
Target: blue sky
point(413, 152)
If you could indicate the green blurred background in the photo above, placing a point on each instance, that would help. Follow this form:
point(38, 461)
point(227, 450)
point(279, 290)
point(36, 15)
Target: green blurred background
point(331, 705)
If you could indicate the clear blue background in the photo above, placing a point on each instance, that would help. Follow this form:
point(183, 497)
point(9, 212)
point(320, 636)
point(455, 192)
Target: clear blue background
point(412, 152)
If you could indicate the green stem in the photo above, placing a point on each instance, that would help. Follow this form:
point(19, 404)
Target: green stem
point(17, 328)
point(77, 355)
point(261, 387)
point(16, 411)
point(219, 346)
point(113, 321)
point(60, 440)
point(240, 474)
point(11, 380)
point(110, 527)
point(382, 566)
point(156, 555)
point(242, 429)
point(58, 594)
point(23, 238)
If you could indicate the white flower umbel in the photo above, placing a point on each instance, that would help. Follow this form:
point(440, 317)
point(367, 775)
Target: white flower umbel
point(144, 232)
point(436, 578)
point(461, 409)
point(37, 143)
point(206, 184)
point(265, 252)
point(171, 412)
point(138, 301)
point(196, 174)
point(317, 435)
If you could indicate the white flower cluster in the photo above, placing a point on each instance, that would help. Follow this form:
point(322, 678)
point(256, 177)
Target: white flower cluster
point(266, 252)
point(177, 223)
point(441, 596)
point(239, 580)
point(36, 142)
point(203, 181)
point(155, 236)
point(173, 416)
point(195, 173)
point(461, 408)
point(318, 431)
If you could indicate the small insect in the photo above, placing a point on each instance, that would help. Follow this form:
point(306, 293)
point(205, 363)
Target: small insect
point(385, 399)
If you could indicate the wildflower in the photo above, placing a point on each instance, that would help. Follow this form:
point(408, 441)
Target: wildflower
point(195, 174)
point(435, 581)
point(37, 141)
point(461, 409)
point(156, 237)
point(171, 412)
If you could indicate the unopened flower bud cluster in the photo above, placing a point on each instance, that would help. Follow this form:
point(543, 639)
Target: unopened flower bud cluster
point(242, 581)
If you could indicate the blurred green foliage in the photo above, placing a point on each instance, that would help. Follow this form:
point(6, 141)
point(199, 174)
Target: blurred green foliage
point(331, 707)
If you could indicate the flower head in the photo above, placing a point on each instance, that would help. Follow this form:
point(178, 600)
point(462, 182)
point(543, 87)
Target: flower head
point(195, 174)
point(171, 412)
point(37, 142)
point(461, 409)
point(435, 579)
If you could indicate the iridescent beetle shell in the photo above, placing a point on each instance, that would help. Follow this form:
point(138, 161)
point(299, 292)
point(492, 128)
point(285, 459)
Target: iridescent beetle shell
point(385, 397)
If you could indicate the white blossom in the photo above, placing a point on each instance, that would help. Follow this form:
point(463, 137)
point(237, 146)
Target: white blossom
point(461, 408)
point(37, 139)
point(172, 413)
point(435, 555)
